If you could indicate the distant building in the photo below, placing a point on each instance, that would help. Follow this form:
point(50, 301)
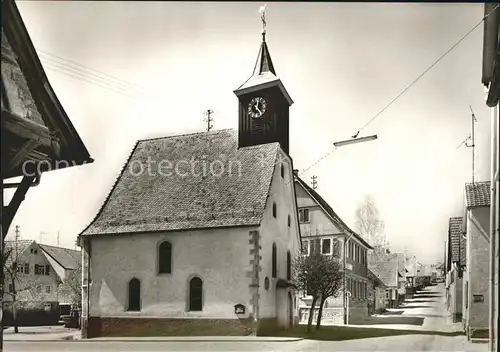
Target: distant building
point(38, 270)
point(322, 229)
point(205, 243)
point(386, 267)
point(476, 224)
point(455, 260)
point(401, 277)
point(376, 294)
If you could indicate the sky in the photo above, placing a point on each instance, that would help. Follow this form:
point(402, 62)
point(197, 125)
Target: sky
point(340, 62)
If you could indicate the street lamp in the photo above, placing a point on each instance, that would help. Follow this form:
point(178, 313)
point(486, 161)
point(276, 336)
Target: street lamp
point(354, 140)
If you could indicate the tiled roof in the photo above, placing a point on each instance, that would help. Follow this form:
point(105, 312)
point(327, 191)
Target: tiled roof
point(67, 258)
point(12, 247)
point(337, 220)
point(373, 277)
point(401, 264)
point(454, 235)
point(148, 201)
point(463, 250)
point(477, 194)
point(386, 268)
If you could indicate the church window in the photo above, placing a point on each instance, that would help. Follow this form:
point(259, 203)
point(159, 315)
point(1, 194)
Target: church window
point(165, 258)
point(288, 266)
point(195, 294)
point(289, 221)
point(282, 171)
point(275, 211)
point(274, 262)
point(134, 295)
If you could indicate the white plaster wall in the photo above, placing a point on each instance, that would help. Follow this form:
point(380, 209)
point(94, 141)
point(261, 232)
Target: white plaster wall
point(220, 257)
point(286, 238)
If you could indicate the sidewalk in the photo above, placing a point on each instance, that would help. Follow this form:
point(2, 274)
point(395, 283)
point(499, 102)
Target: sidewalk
point(61, 334)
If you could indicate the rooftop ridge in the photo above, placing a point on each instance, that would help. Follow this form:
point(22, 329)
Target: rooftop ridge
point(186, 134)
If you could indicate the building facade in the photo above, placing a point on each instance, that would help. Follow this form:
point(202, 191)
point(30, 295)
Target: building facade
point(322, 229)
point(476, 309)
point(376, 294)
point(208, 248)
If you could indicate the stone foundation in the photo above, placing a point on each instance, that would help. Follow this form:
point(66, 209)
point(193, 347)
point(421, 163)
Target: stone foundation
point(141, 327)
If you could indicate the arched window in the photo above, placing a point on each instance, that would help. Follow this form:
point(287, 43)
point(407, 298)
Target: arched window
point(289, 221)
point(274, 210)
point(134, 295)
point(282, 171)
point(195, 294)
point(288, 266)
point(274, 262)
point(165, 258)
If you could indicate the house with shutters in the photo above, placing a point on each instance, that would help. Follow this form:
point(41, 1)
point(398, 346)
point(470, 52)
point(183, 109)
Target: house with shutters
point(35, 271)
point(476, 227)
point(203, 242)
point(324, 231)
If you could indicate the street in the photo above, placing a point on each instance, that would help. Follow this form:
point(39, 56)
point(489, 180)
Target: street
point(429, 304)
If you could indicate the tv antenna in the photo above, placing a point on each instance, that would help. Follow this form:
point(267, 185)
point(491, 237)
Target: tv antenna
point(209, 119)
point(472, 145)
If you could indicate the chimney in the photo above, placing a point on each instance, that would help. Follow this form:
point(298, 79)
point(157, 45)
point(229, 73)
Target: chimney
point(296, 172)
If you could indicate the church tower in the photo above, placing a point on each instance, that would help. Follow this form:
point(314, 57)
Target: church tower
point(263, 104)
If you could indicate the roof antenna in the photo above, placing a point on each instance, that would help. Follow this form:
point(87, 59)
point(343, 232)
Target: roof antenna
point(472, 145)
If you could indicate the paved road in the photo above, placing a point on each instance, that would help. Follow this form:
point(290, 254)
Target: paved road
point(428, 304)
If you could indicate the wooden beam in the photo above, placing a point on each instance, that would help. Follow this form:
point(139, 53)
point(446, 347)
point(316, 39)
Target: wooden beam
point(26, 128)
point(21, 154)
point(11, 210)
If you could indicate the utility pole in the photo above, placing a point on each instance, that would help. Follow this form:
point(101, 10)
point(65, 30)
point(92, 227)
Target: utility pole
point(209, 119)
point(16, 239)
point(314, 180)
point(472, 145)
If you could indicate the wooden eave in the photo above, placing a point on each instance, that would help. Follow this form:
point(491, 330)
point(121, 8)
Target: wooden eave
point(58, 128)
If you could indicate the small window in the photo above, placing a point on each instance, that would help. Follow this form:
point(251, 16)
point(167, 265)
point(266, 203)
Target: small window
point(274, 263)
point(39, 269)
point(195, 294)
point(282, 171)
point(31, 250)
point(165, 258)
point(134, 295)
point(306, 215)
point(26, 268)
point(289, 221)
point(266, 283)
point(36, 251)
point(47, 289)
point(326, 246)
point(274, 210)
point(288, 266)
point(305, 247)
point(47, 269)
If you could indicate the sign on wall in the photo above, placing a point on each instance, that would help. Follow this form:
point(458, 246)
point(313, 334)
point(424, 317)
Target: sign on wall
point(239, 309)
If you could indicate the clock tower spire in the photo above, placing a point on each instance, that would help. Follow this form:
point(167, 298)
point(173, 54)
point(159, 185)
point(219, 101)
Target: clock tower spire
point(263, 102)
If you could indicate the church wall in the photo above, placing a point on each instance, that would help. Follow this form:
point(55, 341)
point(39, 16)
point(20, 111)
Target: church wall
point(220, 257)
point(272, 303)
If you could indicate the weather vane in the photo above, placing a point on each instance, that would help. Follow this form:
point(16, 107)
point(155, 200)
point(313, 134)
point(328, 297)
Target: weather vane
point(262, 11)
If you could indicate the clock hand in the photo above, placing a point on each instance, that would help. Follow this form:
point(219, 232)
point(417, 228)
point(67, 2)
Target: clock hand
point(260, 112)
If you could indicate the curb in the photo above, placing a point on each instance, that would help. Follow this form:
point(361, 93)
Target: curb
point(156, 339)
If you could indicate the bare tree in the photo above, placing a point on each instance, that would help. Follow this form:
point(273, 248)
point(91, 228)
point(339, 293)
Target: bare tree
point(369, 224)
point(321, 276)
point(13, 266)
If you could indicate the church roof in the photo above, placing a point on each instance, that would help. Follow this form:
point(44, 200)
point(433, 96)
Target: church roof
point(264, 75)
point(477, 194)
point(173, 195)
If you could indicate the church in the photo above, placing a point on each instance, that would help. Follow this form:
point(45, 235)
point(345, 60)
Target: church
point(201, 240)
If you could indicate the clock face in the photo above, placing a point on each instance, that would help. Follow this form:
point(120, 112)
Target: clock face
point(257, 107)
